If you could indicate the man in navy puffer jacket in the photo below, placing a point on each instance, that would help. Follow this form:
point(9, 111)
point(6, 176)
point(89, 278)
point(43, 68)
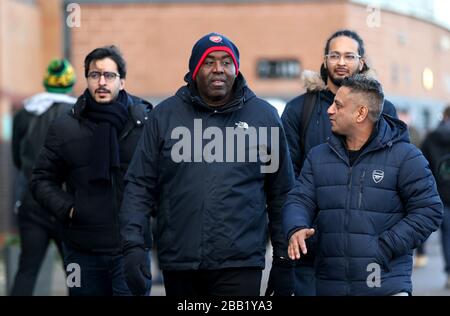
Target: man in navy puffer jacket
point(373, 196)
point(304, 132)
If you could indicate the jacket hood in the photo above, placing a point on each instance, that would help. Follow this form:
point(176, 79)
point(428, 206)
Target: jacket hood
point(312, 81)
point(443, 134)
point(40, 103)
point(389, 131)
point(241, 95)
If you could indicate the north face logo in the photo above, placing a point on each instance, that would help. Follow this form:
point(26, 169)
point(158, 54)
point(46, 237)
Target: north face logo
point(242, 125)
point(377, 176)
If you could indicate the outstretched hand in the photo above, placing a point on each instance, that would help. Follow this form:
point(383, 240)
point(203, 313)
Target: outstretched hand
point(297, 243)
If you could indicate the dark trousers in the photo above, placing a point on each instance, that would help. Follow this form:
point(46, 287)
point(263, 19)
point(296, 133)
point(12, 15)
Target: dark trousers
point(223, 282)
point(305, 278)
point(305, 281)
point(100, 274)
point(34, 241)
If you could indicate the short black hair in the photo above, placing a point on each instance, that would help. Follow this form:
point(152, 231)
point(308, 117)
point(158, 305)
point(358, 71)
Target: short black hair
point(361, 50)
point(371, 89)
point(110, 51)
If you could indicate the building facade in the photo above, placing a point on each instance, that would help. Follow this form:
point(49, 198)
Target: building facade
point(277, 41)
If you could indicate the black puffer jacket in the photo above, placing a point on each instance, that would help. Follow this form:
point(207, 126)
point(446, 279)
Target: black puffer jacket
point(65, 158)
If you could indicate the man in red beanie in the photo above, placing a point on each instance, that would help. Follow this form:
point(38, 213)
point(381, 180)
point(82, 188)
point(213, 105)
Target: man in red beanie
point(214, 164)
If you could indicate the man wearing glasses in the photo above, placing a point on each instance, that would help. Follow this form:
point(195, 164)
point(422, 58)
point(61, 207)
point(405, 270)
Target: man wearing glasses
point(306, 122)
point(89, 150)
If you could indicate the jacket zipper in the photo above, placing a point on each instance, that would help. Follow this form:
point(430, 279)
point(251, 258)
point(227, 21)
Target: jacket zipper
point(205, 202)
point(115, 210)
point(349, 199)
point(361, 182)
point(346, 227)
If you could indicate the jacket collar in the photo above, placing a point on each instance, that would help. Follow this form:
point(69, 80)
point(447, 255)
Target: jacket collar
point(389, 130)
point(136, 115)
point(313, 83)
point(241, 95)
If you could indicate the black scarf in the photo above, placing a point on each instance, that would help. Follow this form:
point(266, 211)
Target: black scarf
point(111, 119)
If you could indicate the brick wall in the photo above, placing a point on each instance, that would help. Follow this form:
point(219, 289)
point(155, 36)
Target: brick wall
point(408, 44)
point(157, 39)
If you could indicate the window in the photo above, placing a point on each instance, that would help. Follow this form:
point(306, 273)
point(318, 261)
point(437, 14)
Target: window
point(278, 69)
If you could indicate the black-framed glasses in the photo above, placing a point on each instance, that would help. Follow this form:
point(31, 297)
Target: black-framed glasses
point(349, 58)
point(109, 75)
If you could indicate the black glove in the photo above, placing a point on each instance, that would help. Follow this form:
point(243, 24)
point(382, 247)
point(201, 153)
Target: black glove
point(281, 278)
point(137, 270)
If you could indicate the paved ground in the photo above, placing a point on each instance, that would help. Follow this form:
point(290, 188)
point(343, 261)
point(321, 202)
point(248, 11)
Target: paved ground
point(430, 280)
point(427, 281)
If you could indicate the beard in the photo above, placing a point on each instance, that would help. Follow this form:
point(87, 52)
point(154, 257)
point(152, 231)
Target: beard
point(338, 81)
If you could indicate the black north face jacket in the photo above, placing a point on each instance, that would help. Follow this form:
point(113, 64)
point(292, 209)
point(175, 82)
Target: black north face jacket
point(212, 209)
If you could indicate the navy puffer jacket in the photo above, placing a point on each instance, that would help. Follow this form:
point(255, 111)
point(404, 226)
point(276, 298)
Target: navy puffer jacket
point(376, 211)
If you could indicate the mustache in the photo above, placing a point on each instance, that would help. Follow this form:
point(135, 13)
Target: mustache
point(102, 90)
point(218, 78)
